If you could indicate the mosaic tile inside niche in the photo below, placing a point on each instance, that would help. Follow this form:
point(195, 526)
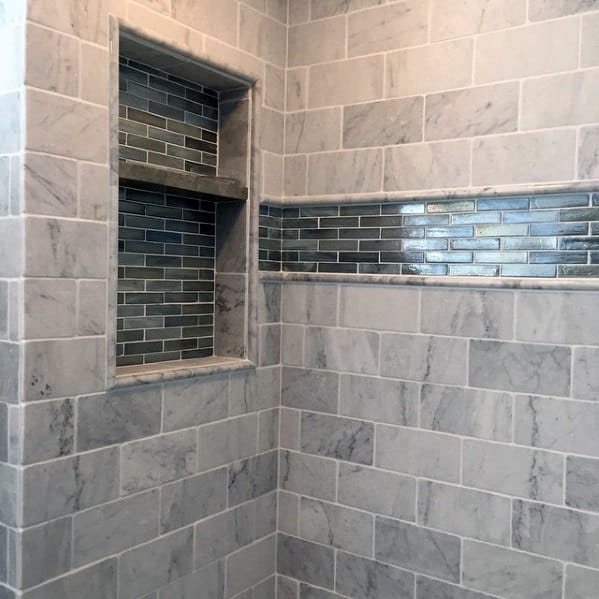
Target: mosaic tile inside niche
point(166, 121)
point(165, 277)
point(529, 236)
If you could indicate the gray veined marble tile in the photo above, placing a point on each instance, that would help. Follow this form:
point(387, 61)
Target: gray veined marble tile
point(381, 400)
point(363, 578)
point(91, 318)
point(286, 588)
point(209, 582)
point(520, 367)
point(424, 358)
point(269, 344)
point(580, 582)
point(344, 350)
point(464, 512)
point(585, 373)
point(229, 310)
point(265, 515)
point(334, 437)
point(550, 9)
point(306, 303)
point(148, 567)
point(307, 591)
point(250, 565)
point(512, 470)
point(560, 425)
point(420, 453)
point(222, 534)
point(252, 477)
point(468, 412)
point(265, 589)
point(561, 533)
point(468, 313)
point(427, 588)
point(60, 487)
point(288, 513)
point(227, 441)
point(289, 428)
point(191, 499)
point(313, 131)
point(115, 527)
point(395, 495)
point(337, 526)
point(117, 417)
point(510, 573)
point(419, 549)
point(582, 483)
point(307, 474)
point(158, 460)
point(305, 561)
point(254, 390)
point(268, 430)
point(292, 345)
point(309, 389)
point(99, 581)
point(8, 494)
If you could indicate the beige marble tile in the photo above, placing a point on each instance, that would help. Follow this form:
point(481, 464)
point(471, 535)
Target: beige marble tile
point(295, 175)
point(384, 123)
point(318, 41)
point(313, 131)
point(217, 19)
point(429, 68)
point(94, 74)
point(388, 27)
point(427, 166)
point(524, 158)
point(62, 15)
point(274, 87)
point(527, 51)
point(273, 174)
point(328, 83)
point(461, 18)
point(590, 41)
point(271, 130)
point(568, 99)
point(94, 191)
point(299, 11)
point(551, 9)
point(588, 153)
point(330, 8)
point(277, 9)
point(356, 171)
point(297, 89)
point(262, 37)
point(472, 112)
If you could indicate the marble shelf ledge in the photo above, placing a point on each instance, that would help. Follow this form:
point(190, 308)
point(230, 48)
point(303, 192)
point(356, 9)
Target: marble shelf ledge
point(433, 281)
point(165, 179)
point(146, 374)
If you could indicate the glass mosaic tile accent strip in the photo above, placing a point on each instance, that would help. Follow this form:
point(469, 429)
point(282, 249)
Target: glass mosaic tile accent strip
point(529, 236)
point(166, 121)
point(166, 276)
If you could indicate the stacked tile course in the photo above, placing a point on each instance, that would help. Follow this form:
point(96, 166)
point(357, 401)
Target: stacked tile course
point(166, 276)
point(166, 121)
point(538, 236)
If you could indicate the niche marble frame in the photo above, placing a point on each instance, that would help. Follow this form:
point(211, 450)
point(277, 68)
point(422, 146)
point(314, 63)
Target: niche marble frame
point(236, 280)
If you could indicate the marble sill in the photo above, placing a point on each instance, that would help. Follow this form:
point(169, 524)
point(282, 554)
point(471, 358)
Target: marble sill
point(146, 374)
point(222, 187)
point(434, 281)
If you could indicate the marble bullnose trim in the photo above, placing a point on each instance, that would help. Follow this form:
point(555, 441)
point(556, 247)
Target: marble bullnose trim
point(433, 281)
point(182, 369)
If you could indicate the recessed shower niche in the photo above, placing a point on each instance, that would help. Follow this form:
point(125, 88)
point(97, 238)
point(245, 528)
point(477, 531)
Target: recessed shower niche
point(183, 136)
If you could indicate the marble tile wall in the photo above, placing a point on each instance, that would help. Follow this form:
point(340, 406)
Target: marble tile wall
point(115, 493)
point(437, 443)
point(483, 94)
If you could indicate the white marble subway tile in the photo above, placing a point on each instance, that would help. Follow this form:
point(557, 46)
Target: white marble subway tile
point(11, 46)
point(297, 89)
point(339, 527)
point(11, 135)
point(254, 390)
point(468, 412)
point(427, 166)
point(580, 582)
point(52, 61)
point(527, 51)
point(318, 41)
point(91, 317)
point(355, 171)
point(424, 358)
point(272, 130)
point(521, 367)
point(388, 27)
point(430, 68)
point(307, 389)
point(250, 565)
point(557, 424)
point(524, 158)
point(321, 9)
point(304, 303)
point(95, 83)
point(590, 42)
point(252, 477)
point(472, 112)
point(328, 82)
point(588, 157)
point(464, 512)
point(218, 20)
point(384, 123)
point(262, 37)
point(468, 313)
point(560, 100)
point(466, 17)
point(359, 577)
point(419, 453)
point(94, 192)
point(510, 573)
point(519, 471)
point(557, 317)
point(582, 483)
point(59, 125)
point(585, 373)
point(550, 9)
point(313, 131)
point(307, 474)
point(395, 496)
point(42, 297)
point(428, 588)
